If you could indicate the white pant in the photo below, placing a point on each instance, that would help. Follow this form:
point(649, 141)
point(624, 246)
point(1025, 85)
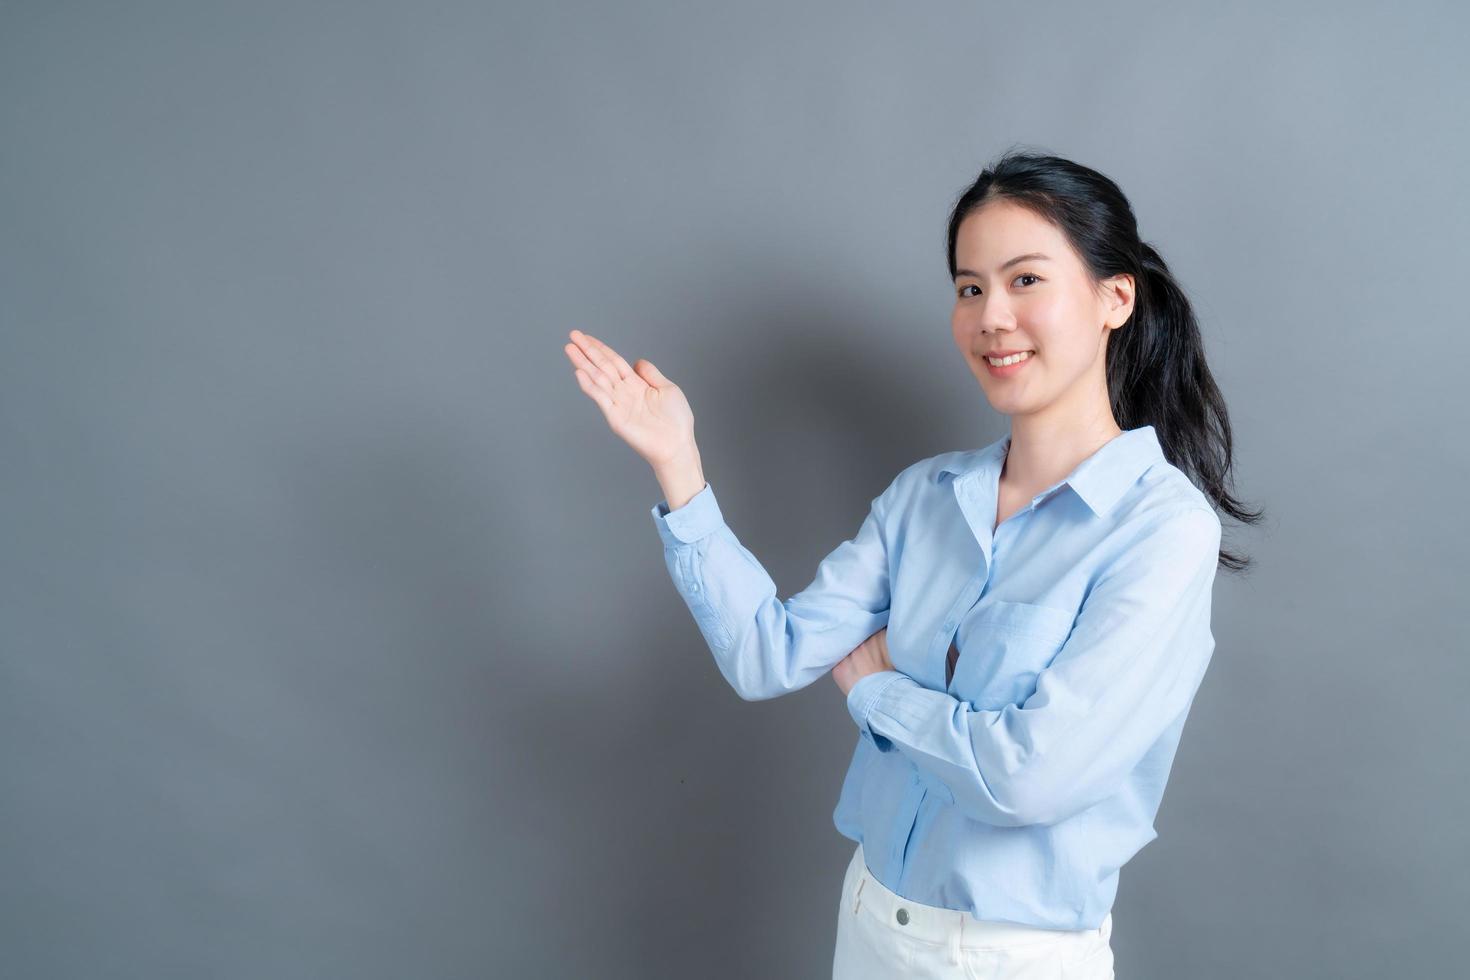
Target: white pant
point(881, 934)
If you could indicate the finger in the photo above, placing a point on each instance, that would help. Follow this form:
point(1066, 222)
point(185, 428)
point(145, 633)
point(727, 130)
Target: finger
point(596, 374)
point(602, 398)
point(591, 356)
point(612, 357)
point(617, 359)
point(652, 374)
point(594, 354)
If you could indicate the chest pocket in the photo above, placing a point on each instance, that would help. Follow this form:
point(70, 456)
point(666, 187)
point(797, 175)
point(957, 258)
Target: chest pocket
point(1003, 647)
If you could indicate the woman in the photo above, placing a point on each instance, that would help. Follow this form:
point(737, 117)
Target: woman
point(1019, 630)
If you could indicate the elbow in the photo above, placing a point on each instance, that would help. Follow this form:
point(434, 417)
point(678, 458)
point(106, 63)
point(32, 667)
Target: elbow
point(1037, 811)
point(1018, 800)
point(756, 668)
point(748, 679)
point(1033, 800)
point(749, 693)
point(749, 688)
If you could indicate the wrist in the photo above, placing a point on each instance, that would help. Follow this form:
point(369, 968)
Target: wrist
point(680, 477)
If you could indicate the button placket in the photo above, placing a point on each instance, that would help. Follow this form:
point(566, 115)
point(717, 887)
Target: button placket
point(946, 638)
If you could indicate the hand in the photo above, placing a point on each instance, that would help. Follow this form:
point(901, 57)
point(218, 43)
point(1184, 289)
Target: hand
point(870, 657)
point(642, 407)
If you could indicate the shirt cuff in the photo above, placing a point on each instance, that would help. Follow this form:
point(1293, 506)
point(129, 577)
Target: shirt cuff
point(861, 698)
point(697, 518)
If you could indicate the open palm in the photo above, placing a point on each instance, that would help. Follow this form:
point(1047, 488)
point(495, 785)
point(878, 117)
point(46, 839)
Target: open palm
point(644, 408)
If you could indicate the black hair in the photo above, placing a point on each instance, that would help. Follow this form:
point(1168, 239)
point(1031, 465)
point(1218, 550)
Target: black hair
point(1156, 370)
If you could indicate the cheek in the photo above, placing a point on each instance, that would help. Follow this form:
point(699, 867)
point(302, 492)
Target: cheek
point(1048, 315)
point(959, 331)
point(1053, 328)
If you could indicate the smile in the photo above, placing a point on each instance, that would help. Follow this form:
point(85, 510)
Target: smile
point(1004, 367)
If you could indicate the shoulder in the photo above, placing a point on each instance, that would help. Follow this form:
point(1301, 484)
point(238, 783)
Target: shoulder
point(1163, 489)
point(1166, 506)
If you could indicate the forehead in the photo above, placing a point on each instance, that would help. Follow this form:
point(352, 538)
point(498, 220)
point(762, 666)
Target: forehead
point(1000, 229)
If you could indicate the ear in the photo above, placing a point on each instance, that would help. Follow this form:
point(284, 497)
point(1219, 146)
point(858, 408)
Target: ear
point(1117, 300)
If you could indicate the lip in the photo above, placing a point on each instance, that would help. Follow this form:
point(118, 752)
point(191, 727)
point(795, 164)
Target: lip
point(1009, 369)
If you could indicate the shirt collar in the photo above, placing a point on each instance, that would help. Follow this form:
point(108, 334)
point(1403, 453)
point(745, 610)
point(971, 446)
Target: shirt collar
point(1100, 480)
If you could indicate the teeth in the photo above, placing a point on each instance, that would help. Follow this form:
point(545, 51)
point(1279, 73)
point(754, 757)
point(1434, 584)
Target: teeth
point(1012, 359)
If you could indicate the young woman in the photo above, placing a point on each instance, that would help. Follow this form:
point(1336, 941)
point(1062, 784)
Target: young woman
point(1019, 630)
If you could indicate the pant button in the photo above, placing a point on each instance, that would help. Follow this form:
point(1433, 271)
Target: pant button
point(903, 917)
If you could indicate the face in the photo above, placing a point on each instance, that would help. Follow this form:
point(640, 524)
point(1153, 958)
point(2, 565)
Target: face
point(1048, 306)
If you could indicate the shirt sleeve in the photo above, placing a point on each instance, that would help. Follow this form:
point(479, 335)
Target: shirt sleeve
point(1129, 670)
point(764, 646)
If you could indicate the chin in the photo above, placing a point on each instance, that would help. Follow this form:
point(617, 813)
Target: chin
point(1006, 404)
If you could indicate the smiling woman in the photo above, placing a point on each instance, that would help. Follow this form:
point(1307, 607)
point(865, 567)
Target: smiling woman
point(1034, 326)
point(1018, 630)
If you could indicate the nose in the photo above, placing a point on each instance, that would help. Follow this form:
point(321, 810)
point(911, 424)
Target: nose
point(994, 317)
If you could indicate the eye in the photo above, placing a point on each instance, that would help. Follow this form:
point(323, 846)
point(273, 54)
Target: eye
point(1024, 275)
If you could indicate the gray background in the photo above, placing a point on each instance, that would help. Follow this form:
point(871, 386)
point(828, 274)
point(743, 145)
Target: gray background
point(336, 639)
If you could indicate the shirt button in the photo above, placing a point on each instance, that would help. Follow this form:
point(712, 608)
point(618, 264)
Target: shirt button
point(903, 917)
point(949, 625)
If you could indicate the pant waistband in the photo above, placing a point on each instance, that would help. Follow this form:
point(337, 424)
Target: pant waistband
point(941, 925)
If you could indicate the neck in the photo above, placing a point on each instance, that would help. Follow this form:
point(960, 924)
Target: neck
point(1045, 450)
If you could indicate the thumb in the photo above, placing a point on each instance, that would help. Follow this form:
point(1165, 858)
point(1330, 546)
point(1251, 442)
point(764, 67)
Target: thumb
point(648, 372)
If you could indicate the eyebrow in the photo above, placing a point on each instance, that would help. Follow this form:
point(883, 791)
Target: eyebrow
point(1029, 256)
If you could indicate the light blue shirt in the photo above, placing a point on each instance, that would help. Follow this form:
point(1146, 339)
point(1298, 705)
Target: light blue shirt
point(1018, 790)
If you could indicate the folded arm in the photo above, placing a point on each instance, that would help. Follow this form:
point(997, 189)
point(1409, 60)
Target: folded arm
point(1129, 669)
